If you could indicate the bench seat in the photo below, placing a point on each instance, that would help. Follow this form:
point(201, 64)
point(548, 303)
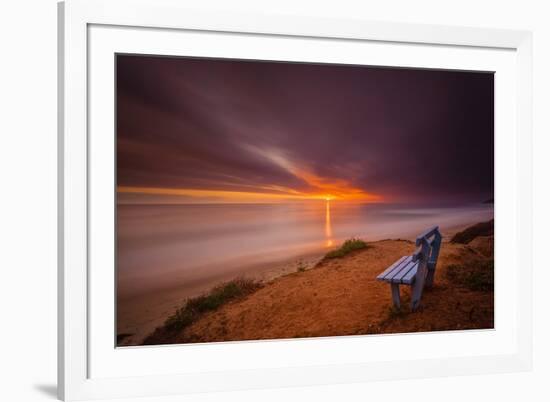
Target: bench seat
point(402, 271)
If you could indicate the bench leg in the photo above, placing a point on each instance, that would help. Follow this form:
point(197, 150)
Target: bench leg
point(430, 278)
point(416, 293)
point(395, 295)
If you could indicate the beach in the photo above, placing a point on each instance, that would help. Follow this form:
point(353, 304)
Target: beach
point(247, 248)
point(342, 297)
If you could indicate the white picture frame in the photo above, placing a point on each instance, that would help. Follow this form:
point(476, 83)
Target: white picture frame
point(80, 377)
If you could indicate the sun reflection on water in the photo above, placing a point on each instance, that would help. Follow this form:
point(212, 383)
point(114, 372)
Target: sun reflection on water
point(328, 226)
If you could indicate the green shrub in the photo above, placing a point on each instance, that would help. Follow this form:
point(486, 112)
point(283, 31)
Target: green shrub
point(346, 248)
point(478, 275)
point(195, 307)
point(470, 233)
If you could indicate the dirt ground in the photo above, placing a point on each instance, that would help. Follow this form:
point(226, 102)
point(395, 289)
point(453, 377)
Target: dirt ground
point(342, 297)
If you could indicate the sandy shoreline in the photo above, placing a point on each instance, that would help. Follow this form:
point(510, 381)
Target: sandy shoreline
point(139, 315)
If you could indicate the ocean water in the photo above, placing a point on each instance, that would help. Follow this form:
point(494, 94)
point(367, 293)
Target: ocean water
point(192, 247)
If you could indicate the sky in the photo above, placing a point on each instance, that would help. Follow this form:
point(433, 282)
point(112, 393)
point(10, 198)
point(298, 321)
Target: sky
point(195, 130)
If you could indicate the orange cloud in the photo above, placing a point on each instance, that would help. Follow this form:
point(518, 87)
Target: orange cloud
point(324, 188)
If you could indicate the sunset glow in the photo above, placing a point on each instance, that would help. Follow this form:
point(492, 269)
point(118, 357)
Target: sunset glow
point(318, 188)
point(214, 131)
point(221, 196)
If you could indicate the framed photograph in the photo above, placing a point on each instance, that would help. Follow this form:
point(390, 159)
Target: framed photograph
point(252, 201)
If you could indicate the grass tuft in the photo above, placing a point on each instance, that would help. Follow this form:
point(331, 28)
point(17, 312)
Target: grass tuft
point(470, 233)
point(195, 307)
point(478, 275)
point(395, 312)
point(301, 266)
point(346, 248)
point(121, 337)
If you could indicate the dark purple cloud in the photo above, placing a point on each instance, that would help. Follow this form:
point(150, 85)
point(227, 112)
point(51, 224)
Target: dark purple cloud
point(406, 134)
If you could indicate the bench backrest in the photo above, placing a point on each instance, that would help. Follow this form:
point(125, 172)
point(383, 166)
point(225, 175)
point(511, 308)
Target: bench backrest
point(428, 243)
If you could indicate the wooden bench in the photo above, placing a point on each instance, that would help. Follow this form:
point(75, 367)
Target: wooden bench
point(416, 270)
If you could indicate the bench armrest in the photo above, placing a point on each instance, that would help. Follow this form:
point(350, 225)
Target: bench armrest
point(428, 233)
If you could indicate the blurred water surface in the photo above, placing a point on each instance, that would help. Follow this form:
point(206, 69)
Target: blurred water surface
point(196, 245)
